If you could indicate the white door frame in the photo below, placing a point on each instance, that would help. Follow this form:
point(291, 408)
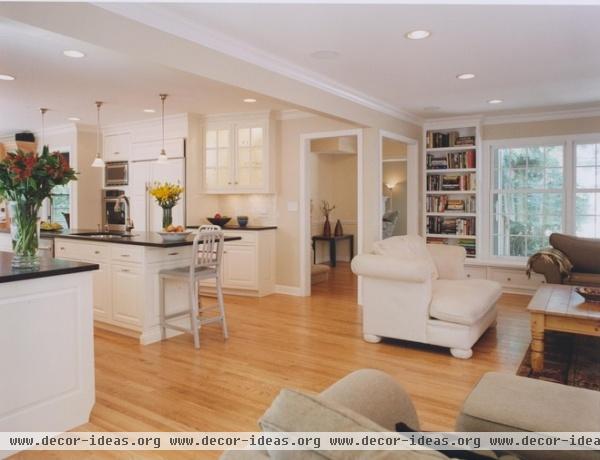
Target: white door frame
point(304, 205)
point(412, 188)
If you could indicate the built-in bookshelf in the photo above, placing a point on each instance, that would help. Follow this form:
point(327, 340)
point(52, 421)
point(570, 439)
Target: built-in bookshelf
point(450, 182)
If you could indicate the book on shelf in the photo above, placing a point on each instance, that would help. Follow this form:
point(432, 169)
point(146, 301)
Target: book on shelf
point(451, 182)
point(435, 139)
point(452, 160)
point(469, 245)
point(441, 204)
point(441, 225)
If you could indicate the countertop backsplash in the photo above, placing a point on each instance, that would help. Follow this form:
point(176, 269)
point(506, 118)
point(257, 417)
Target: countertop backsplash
point(260, 209)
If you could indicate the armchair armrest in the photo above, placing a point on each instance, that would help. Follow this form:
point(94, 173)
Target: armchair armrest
point(449, 260)
point(391, 268)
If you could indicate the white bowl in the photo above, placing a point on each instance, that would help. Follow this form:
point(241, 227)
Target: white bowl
point(174, 236)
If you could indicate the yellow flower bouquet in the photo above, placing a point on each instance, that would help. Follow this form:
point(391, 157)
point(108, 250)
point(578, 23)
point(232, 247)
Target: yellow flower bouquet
point(166, 195)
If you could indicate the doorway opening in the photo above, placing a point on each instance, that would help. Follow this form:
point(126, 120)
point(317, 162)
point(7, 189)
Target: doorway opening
point(331, 221)
point(399, 186)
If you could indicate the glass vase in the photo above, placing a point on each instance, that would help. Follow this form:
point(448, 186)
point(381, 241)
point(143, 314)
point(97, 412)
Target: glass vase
point(25, 233)
point(167, 217)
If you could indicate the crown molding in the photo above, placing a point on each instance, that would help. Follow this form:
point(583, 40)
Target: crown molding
point(453, 122)
point(162, 18)
point(542, 116)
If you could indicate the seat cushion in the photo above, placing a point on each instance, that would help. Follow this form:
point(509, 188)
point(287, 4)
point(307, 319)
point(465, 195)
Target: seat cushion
point(406, 247)
point(584, 279)
point(463, 301)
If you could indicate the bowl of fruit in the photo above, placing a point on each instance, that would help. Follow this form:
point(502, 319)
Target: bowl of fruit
point(219, 220)
point(174, 233)
point(50, 226)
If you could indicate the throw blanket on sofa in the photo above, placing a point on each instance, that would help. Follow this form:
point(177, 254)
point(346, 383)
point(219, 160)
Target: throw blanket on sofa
point(553, 256)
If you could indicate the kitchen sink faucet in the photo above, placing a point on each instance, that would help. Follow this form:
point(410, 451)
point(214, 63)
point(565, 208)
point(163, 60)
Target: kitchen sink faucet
point(123, 202)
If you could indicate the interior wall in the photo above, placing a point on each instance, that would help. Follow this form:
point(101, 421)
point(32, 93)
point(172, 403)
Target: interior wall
point(288, 191)
point(541, 128)
point(334, 179)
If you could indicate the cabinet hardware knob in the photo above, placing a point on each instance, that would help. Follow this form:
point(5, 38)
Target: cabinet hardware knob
point(468, 275)
point(96, 252)
point(236, 183)
point(116, 153)
point(62, 248)
point(172, 253)
point(508, 279)
point(126, 270)
point(124, 255)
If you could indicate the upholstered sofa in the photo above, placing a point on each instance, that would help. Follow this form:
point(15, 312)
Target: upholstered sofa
point(419, 292)
point(582, 265)
point(370, 400)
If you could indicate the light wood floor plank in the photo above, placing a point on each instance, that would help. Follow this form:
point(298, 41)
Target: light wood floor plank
point(275, 342)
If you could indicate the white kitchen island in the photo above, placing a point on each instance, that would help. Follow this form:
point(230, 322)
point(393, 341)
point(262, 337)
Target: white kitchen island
point(46, 346)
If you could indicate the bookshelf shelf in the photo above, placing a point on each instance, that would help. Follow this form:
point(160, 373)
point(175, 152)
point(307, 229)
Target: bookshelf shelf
point(451, 192)
point(451, 171)
point(457, 148)
point(452, 214)
point(451, 236)
point(454, 211)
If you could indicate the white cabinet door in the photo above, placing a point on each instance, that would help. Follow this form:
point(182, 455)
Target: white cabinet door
point(117, 147)
point(126, 288)
point(102, 292)
point(149, 150)
point(239, 266)
point(250, 158)
point(218, 161)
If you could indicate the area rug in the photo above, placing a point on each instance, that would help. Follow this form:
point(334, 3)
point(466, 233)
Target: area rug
point(568, 359)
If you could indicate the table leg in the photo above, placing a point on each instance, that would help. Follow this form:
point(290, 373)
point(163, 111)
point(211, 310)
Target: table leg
point(314, 245)
point(537, 343)
point(332, 253)
point(351, 248)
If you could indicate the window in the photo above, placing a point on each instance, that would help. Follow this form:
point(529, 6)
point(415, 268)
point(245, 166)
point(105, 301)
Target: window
point(59, 204)
point(587, 190)
point(527, 198)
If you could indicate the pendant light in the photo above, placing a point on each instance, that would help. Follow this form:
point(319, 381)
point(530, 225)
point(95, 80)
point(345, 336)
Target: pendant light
point(43, 111)
point(162, 158)
point(98, 161)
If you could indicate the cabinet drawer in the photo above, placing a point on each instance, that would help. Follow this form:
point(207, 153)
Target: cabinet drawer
point(514, 278)
point(479, 273)
point(247, 237)
point(126, 253)
point(183, 253)
point(80, 251)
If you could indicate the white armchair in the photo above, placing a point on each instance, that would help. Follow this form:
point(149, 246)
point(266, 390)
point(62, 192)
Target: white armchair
point(419, 292)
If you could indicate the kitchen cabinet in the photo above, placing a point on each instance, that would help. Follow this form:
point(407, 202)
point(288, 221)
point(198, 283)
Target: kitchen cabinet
point(102, 292)
point(238, 157)
point(117, 147)
point(248, 264)
point(126, 285)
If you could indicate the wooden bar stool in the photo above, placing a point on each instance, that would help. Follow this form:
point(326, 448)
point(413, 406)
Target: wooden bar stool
point(207, 254)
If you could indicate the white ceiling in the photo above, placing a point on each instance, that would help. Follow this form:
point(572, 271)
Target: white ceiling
point(534, 57)
point(69, 87)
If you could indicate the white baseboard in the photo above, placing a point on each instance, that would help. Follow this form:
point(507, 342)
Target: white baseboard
point(288, 290)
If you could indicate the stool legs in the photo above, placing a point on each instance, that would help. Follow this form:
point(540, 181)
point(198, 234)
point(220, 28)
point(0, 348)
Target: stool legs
point(194, 313)
point(161, 307)
point(221, 304)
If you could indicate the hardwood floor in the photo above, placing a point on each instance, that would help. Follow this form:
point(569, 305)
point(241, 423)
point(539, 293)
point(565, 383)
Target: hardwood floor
point(275, 342)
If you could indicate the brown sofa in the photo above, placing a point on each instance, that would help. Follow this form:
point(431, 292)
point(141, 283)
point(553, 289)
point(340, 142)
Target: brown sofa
point(582, 253)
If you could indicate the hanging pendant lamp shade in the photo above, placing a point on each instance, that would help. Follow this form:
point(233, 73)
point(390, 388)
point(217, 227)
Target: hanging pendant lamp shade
point(162, 157)
point(98, 161)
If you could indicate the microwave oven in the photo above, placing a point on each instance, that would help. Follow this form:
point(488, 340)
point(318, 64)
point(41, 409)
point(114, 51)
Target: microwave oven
point(116, 173)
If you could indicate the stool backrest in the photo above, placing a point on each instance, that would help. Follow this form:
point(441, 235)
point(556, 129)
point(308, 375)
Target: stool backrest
point(208, 248)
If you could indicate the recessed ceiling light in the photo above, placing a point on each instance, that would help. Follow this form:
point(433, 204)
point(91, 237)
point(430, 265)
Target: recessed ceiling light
point(6, 77)
point(417, 34)
point(465, 76)
point(73, 53)
point(149, 110)
point(250, 100)
point(325, 54)
point(74, 119)
point(495, 101)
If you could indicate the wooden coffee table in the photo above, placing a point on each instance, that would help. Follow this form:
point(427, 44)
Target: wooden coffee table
point(557, 307)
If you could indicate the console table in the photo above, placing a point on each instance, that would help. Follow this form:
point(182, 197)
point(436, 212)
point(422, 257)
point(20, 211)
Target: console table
point(332, 240)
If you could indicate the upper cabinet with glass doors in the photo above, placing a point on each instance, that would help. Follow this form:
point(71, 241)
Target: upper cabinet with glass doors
point(237, 157)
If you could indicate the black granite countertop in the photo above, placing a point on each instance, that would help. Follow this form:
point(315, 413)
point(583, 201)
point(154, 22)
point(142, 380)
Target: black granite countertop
point(247, 227)
point(151, 239)
point(48, 267)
